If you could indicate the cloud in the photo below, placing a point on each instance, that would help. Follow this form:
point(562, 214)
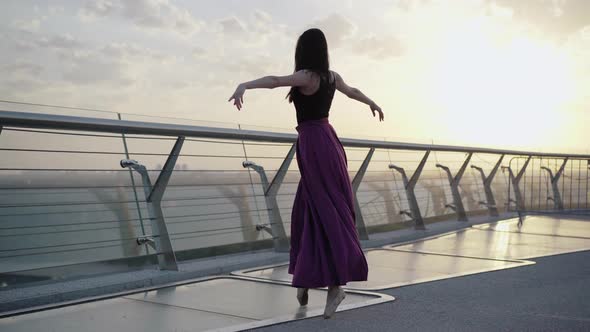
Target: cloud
point(254, 65)
point(259, 22)
point(54, 10)
point(20, 40)
point(93, 68)
point(378, 48)
point(25, 41)
point(132, 53)
point(232, 25)
point(77, 62)
point(114, 65)
point(65, 61)
point(62, 42)
point(256, 31)
point(16, 86)
point(262, 16)
point(556, 17)
point(121, 50)
point(28, 25)
point(341, 32)
point(151, 14)
point(336, 28)
point(579, 46)
point(20, 78)
point(22, 69)
point(496, 10)
point(99, 8)
point(248, 65)
point(198, 52)
point(159, 14)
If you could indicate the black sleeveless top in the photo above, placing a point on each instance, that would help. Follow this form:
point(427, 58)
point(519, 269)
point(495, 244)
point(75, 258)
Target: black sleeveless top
point(315, 106)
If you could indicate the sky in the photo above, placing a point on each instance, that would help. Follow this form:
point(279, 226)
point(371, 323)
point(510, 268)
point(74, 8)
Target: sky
point(506, 74)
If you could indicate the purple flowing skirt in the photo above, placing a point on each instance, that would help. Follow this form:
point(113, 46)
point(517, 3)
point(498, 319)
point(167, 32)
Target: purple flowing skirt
point(325, 249)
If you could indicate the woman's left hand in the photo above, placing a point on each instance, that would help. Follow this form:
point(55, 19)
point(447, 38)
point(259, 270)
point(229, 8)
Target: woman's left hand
point(238, 96)
point(374, 108)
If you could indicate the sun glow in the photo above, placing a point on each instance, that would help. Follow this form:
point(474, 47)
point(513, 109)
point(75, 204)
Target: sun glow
point(500, 87)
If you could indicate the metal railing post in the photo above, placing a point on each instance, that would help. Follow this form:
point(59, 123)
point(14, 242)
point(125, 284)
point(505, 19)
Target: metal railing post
point(454, 182)
point(409, 186)
point(516, 182)
point(356, 182)
point(147, 250)
point(160, 239)
point(277, 229)
point(487, 184)
point(166, 255)
point(557, 202)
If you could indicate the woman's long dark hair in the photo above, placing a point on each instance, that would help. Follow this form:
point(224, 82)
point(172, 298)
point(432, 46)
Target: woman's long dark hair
point(311, 53)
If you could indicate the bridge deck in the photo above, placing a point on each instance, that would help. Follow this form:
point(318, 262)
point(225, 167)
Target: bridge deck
point(549, 295)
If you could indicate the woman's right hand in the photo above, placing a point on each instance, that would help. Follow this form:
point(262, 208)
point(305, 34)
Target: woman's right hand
point(374, 108)
point(238, 96)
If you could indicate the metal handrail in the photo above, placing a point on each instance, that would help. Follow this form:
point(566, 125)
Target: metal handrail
point(65, 122)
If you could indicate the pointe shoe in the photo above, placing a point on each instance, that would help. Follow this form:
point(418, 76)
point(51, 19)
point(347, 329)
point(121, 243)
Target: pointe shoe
point(302, 296)
point(332, 302)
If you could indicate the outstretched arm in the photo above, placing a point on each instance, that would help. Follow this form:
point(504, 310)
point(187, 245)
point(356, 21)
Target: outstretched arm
point(357, 94)
point(300, 78)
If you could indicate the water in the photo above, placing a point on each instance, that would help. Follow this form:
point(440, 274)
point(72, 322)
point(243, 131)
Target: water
point(72, 221)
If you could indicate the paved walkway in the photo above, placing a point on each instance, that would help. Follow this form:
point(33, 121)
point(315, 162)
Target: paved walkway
point(552, 295)
point(506, 294)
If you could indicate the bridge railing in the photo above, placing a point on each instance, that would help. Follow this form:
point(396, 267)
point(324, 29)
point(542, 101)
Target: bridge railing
point(88, 190)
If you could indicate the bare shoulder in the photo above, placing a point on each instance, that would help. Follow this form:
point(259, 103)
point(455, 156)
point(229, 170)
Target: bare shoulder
point(298, 78)
point(337, 76)
point(304, 76)
point(304, 73)
point(340, 84)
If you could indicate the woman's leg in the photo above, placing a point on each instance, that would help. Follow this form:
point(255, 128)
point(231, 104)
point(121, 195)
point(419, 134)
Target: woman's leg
point(302, 295)
point(335, 296)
